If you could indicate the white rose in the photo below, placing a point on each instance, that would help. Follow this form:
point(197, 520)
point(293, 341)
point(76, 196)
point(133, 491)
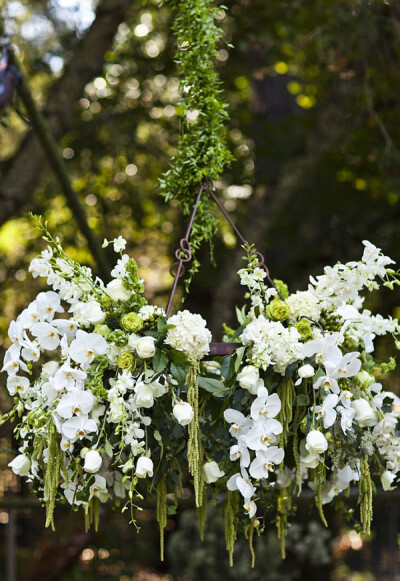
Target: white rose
point(311, 460)
point(365, 415)
point(144, 467)
point(93, 461)
point(89, 313)
point(144, 397)
point(316, 443)
point(116, 290)
point(183, 413)
point(212, 472)
point(306, 371)
point(145, 347)
point(20, 465)
point(387, 479)
point(249, 379)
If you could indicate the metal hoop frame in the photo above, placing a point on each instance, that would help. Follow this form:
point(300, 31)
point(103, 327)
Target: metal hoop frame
point(183, 255)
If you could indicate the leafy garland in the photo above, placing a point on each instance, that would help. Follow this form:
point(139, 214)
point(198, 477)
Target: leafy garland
point(202, 142)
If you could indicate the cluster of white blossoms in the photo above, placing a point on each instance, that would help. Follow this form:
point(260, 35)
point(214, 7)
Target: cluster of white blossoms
point(70, 392)
point(188, 333)
point(109, 410)
point(272, 344)
point(341, 284)
point(323, 340)
point(256, 449)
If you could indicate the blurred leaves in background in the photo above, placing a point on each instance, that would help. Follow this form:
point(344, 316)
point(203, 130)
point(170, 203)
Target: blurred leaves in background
point(313, 91)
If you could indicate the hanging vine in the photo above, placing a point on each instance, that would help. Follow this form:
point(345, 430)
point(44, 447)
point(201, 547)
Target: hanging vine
point(202, 150)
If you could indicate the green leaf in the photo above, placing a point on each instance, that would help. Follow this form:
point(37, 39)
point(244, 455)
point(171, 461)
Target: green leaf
point(214, 386)
point(108, 449)
point(178, 357)
point(225, 366)
point(290, 370)
point(238, 332)
point(162, 325)
point(239, 354)
point(179, 373)
point(160, 361)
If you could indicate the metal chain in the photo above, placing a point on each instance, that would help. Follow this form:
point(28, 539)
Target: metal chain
point(184, 253)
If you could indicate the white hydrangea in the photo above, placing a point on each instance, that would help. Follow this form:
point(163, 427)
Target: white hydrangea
point(189, 334)
point(272, 344)
point(303, 304)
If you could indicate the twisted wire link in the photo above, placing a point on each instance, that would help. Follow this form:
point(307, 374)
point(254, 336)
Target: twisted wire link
point(183, 254)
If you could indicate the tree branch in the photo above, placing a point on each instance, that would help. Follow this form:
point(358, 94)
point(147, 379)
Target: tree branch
point(23, 170)
point(58, 165)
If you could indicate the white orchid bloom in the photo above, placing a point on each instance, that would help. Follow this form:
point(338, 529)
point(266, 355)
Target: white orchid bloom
point(75, 403)
point(66, 445)
point(346, 397)
point(325, 350)
point(349, 365)
point(48, 304)
point(29, 316)
point(264, 463)
point(68, 377)
point(99, 488)
point(30, 349)
point(265, 406)
point(17, 384)
point(78, 427)
point(241, 482)
point(239, 423)
point(16, 331)
point(240, 452)
point(250, 507)
point(328, 384)
point(46, 335)
point(66, 327)
point(86, 346)
point(262, 434)
point(12, 361)
point(327, 411)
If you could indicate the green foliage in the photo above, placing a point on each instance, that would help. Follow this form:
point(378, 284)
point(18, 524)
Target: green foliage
point(202, 150)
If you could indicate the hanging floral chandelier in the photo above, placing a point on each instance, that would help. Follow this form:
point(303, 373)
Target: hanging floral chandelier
point(117, 400)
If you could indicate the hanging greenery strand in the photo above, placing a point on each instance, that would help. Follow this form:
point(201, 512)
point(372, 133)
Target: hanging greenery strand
point(202, 151)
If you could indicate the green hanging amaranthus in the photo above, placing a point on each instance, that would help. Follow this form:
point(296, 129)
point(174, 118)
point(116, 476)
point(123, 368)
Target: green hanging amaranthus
point(202, 150)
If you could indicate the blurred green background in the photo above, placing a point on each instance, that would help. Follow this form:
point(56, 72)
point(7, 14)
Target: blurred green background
point(314, 98)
